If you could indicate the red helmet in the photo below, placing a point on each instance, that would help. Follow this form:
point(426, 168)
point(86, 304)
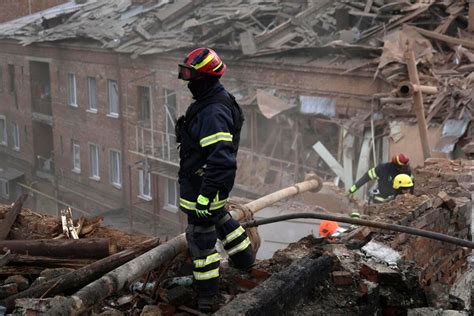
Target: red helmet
point(201, 62)
point(400, 160)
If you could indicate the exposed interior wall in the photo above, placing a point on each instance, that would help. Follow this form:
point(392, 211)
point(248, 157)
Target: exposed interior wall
point(410, 143)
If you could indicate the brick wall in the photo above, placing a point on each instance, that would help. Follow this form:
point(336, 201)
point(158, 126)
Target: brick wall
point(445, 207)
point(12, 9)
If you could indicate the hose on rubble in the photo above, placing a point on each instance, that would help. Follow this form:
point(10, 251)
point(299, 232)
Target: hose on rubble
point(362, 222)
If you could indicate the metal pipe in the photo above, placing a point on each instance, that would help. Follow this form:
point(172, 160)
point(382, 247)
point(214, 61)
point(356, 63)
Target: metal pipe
point(362, 222)
point(407, 88)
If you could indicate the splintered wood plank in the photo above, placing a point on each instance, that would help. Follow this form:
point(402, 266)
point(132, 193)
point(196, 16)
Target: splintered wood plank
point(7, 222)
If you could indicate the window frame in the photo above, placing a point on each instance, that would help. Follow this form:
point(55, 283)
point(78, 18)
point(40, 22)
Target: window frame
point(115, 164)
point(76, 150)
point(110, 112)
point(4, 188)
point(15, 136)
point(93, 176)
point(141, 93)
point(141, 185)
point(170, 129)
point(4, 139)
point(91, 97)
point(172, 207)
point(72, 84)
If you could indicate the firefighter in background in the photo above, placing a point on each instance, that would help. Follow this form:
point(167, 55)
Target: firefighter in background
point(385, 173)
point(209, 135)
point(403, 184)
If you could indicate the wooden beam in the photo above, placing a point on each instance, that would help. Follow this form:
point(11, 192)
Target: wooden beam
point(368, 5)
point(348, 157)
point(72, 281)
point(418, 99)
point(7, 222)
point(329, 159)
point(364, 159)
point(445, 38)
point(92, 248)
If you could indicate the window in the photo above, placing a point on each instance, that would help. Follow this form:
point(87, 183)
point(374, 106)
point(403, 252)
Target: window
point(71, 90)
point(94, 161)
point(112, 91)
point(16, 136)
point(144, 104)
point(115, 168)
point(4, 189)
point(171, 194)
point(11, 78)
point(76, 156)
point(92, 94)
point(144, 185)
point(3, 131)
point(171, 110)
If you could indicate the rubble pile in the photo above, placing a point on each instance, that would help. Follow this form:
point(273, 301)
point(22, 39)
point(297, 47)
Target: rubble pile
point(365, 271)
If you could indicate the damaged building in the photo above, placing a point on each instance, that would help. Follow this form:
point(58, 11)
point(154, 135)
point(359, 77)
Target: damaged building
point(91, 98)
point(100, 95)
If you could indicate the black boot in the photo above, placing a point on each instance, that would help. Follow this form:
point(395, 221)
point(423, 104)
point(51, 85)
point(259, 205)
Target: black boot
point(205, 304)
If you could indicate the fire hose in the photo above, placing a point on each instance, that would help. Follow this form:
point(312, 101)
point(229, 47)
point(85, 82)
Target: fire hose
point(362, 222)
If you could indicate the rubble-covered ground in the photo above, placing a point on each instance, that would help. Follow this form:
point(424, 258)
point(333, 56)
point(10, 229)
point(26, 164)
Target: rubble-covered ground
point(365, 271)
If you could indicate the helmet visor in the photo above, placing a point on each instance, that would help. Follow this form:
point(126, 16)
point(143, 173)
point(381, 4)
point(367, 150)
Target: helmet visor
point(186, 72)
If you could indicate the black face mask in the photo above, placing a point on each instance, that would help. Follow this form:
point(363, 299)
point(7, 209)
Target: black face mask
point(200, 88)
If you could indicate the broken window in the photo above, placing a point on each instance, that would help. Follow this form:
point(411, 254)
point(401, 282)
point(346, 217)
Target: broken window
point(144, 104)
point(171, 110)
point(11, 78)
point(94, 161)
point(112, 91)
point(72, 90)
point(115, 168)
point(171, 194)
point(3, 131)
point(16, 136)
point(4, 189)
point(144, 185)
point(76, 156)
point(92, 94)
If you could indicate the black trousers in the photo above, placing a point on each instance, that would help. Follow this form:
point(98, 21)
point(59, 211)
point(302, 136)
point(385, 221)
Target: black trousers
point(202, 234)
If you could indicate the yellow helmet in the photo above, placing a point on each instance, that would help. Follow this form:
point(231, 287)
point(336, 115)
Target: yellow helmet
point(402, 181)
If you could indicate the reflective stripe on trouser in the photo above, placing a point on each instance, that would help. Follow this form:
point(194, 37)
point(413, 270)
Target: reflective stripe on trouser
point(191, 206)
point(379, 199)
point(201, 244)
point(236, 244)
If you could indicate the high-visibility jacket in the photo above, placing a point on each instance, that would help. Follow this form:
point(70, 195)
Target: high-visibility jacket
point(209, 134)
point(384, 173)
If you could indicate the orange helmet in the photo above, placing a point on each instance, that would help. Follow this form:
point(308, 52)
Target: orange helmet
point(400, 160)
point(199, 63)
point(328, 228)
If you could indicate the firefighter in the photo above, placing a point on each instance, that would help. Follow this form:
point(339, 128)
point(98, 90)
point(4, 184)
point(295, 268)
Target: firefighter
point(384, 173)
point(403, 184)
point(209, 135)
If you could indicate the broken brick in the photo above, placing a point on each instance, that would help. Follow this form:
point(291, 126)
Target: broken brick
point(341, 278)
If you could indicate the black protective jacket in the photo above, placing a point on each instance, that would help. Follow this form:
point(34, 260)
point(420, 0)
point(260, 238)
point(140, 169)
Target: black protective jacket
point(209, 135)
point(384, 173)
